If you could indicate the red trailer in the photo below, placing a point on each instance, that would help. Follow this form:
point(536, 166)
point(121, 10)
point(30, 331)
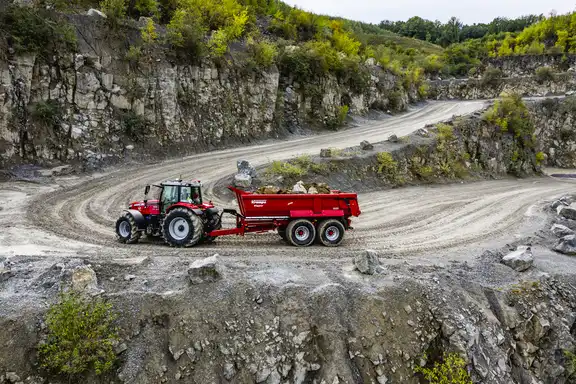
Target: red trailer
point(299, 218)
point(182, 219)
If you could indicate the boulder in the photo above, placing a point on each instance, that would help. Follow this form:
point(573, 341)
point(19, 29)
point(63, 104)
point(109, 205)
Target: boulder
point(312, 191)
point(5, 272)
point(519, 260)
point(393, 138)
point(368, 263)
point(95, 12)
point(243, 180)
point(84, 279)
point(245, 168)
point(205, 271)
point(299, 188)
point(561, 230)
point(423, 132)
point(268, 190)
point(567, 212)
point(366, 146)
point(567, 245)
point(557, 204)
point(327, 152)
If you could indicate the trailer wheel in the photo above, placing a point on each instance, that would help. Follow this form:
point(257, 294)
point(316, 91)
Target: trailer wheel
point(331, 233)
point(126, 229)
point(182, 228)
point(301, 233)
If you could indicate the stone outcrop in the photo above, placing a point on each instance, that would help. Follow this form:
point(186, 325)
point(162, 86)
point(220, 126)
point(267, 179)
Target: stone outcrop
point(96, 106)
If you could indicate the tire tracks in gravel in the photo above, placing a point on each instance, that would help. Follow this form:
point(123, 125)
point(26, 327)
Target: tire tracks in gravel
point(403, 221)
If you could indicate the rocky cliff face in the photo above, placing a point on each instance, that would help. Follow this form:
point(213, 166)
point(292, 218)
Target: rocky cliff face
point(293, 325)
point(95, 105)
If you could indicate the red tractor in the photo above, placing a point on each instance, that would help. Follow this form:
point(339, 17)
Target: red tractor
point(182, 219)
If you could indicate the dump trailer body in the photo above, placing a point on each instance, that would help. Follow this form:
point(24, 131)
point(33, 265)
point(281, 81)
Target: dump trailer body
point(268, 212)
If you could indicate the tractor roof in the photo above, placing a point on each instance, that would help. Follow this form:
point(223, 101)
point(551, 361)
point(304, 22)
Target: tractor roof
point(193, 183)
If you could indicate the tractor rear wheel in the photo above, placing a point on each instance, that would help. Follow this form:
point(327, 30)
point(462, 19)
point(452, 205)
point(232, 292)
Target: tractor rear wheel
point(126, 229)
point(213, 223)
point(301, 233)
point(331, 233)
point(182, 228)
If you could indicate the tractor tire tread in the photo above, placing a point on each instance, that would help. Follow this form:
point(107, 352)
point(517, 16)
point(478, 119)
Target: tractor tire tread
point(135, 234)
point(195, 221)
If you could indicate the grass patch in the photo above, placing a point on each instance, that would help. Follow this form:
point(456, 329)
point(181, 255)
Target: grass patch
point(296, 168)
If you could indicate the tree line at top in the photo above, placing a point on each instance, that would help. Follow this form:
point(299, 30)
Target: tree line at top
point(454, 31)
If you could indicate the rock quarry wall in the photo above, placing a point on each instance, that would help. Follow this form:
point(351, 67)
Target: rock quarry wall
point(95, 105)
point(292, 325)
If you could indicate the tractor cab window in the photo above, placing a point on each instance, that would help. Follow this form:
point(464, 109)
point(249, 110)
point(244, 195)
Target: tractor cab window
point(169, 196)
point(190, 195)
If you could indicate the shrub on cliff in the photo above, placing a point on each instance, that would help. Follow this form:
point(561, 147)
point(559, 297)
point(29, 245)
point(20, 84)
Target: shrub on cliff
point(492, 77)
point(511, 115)
point(81, 334)
point(450, 370)
point(544, 74)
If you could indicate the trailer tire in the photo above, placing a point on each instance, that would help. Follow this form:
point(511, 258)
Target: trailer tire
point(301, 233)
point(331, 233)
point(126, 229)
point(182, 228)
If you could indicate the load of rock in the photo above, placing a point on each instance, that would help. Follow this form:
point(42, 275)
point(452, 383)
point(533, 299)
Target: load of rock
point(299, 187)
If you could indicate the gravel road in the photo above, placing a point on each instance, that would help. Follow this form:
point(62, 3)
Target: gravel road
point(76, 215)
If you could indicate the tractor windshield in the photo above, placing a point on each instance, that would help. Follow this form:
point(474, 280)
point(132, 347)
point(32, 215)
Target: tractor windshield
point(191, 195)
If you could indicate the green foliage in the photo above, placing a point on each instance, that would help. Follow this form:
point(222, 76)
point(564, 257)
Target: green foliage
point(492, 77)
point(114, 9)
point(511, 115)
point(47, 113)
point(27, 29)
point(569, 363)
point(296, 168)
point(186, 34)
point(149, 8)
point(388, 168)
point(340, 117)
point(264, 52)
point(134, 54)
point(540, 157)
point(81, 334)
point(133, 126)
point(451, 370)
point(544, 75)
point(148, 32)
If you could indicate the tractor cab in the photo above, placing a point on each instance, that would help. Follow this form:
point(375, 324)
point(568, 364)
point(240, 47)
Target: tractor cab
point(174, 192)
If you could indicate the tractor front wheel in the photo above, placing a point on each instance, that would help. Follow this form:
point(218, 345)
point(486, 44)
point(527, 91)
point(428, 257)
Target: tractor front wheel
point(301, 233)
point(126, 229)
point(182, 228)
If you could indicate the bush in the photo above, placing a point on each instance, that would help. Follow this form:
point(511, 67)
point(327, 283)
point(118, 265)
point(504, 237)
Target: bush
point(492, 77)
point(114, 9)
point(148, 8)
point(544, 74)
point(134, 55)
point(47, 113)
point(451, 370)
point(133, 126)
point(81, 334)
point(263, 52)
point(388, 168)
point(511, 115)
point(540, 157)
point(148, 33)
point(26, 29)
point(186, 34)
point(285, 169)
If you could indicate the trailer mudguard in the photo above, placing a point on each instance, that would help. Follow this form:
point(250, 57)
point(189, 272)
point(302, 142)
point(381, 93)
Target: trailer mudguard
point(138, 218)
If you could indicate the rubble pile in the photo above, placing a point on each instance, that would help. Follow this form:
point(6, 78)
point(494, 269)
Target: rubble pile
point(299, 187)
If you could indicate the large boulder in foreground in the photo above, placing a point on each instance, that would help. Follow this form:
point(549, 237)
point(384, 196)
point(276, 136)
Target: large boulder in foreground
point(567, 245)
point(245, 168)
point(567, 212)
point(205, 271)
point(520, 260)
point(243, 180)
point(368, 263)
point(561, 230)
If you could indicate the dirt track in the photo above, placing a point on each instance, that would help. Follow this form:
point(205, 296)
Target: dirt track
point(77, 216)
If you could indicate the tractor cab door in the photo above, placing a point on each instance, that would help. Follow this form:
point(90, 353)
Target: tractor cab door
point(191, 195)
point(168, 197)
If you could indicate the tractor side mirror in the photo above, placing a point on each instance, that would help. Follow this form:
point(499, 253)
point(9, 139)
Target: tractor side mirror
point(146, 191)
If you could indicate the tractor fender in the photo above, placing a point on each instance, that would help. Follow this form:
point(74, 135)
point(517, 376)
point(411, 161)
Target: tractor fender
point(138, 218)
point(196, 211)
